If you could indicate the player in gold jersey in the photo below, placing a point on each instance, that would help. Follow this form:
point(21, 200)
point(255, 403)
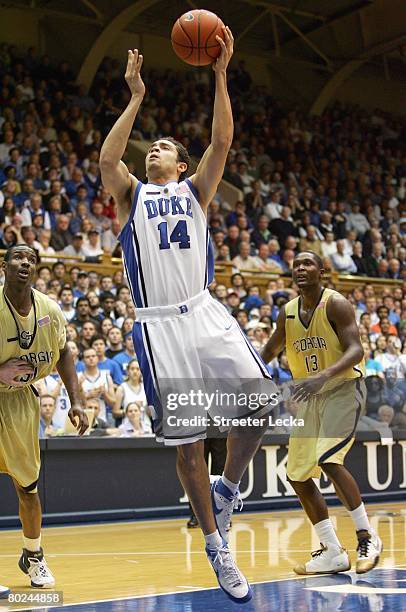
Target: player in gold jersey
point(325, 356)
point(32, 342)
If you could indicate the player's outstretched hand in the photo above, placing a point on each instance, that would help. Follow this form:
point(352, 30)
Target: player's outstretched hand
point(14, 368)
point(133, 73)
point(78, 418)
point(305, 389)
point(227, 49)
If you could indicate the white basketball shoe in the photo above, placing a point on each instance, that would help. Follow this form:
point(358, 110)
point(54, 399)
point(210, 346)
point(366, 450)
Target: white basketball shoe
point(329, 559)
point(34, 564)
point(231, 580)
point(223, 504)
point(368, 550)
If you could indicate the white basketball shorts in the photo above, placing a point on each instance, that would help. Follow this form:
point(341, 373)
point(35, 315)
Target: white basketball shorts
point(196, 362)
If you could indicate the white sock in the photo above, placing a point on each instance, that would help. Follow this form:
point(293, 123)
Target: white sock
point(231, 485)
point(213, 540)
point(33, 545)
point(360, 518)
point(326, 534)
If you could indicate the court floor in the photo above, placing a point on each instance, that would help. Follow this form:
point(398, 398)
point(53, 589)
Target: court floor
point(161, 565)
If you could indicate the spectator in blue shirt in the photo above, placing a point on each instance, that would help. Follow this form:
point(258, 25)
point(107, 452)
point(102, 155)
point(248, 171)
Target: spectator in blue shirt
point(372, 367)
point(282, 374)
point(127, 354)
point(99, 345)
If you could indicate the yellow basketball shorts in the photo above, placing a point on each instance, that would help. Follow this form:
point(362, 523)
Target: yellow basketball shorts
point(19, 429)
point(330, 420)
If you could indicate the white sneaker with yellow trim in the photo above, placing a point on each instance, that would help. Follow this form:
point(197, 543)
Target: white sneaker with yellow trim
point(328, 559)
point(368, 551)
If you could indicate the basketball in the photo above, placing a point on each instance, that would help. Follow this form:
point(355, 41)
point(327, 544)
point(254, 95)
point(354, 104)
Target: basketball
point(194, 37)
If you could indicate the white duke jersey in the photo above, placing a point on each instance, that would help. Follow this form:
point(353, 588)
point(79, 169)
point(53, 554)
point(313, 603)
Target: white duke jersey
point(167, 252)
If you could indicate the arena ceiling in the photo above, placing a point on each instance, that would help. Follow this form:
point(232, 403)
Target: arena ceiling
point(325, 33)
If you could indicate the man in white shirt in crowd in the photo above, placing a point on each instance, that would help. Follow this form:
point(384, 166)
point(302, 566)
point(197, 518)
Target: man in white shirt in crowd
point(357, 221)
point(66, 303)
point(349, 241)
point(342, 262)
point(244, 261)
point(96, 383)
point(391, 358)
point(329, 245)
point(76, 248)
point(93, 247)
point(264, 261)
point(274, 208)
point(27, 214)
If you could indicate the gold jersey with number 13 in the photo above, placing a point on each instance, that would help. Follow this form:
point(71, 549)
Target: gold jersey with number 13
point(312, 348)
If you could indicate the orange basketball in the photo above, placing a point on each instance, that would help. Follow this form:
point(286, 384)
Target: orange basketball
point(194, 37)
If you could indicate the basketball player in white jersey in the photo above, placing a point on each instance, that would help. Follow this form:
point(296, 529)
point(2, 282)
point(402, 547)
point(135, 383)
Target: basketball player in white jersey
point(181, 332)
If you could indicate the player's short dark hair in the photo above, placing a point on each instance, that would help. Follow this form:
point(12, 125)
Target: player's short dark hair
point(9, 252)
point(183, 155)
point(316, 257)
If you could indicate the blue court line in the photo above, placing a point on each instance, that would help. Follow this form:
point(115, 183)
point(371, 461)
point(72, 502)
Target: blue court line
point(380, 589)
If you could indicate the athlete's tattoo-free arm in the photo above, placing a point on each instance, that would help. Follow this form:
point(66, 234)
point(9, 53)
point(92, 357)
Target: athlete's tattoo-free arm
point(211, 167)
point(277, 341)
point(115, 175)
point(67, 371)
point(341, 314)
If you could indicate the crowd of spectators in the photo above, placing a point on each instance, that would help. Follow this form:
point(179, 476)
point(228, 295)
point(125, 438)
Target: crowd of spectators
point(334, 184)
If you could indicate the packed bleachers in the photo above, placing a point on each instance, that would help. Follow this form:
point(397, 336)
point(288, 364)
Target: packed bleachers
point(334, 184)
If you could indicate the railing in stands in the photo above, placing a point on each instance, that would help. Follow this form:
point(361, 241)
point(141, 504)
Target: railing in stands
point(223, 272)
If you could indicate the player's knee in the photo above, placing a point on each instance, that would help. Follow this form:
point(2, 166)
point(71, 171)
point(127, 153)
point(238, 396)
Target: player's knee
point(299, 485)
point(27, 493)
point(293, 483)
point(330, 469)
point(190, 456)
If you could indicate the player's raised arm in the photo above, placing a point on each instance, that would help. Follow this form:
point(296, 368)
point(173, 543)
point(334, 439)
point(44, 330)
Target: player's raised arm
point(277, 341)
point(211, 167)
point(115, 175)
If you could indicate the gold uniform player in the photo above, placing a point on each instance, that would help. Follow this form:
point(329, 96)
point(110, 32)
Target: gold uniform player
point(325, 355)
point(32, 343)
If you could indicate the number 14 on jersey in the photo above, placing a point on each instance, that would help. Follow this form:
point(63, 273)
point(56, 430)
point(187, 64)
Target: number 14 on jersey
point(179, 234)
